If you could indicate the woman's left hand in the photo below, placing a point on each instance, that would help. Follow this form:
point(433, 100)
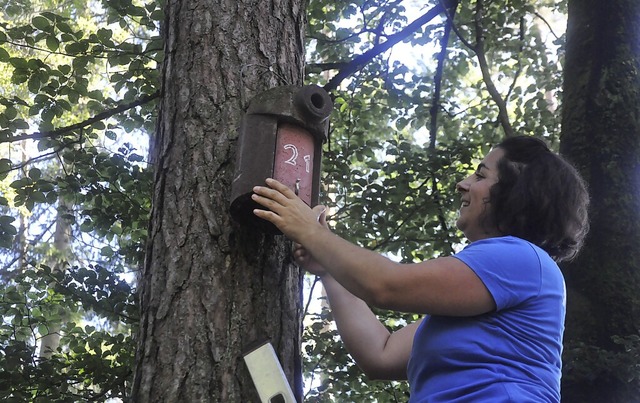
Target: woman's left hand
point(287, 211)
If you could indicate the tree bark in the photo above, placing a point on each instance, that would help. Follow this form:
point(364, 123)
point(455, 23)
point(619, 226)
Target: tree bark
point(601, 135)
point(209, 287)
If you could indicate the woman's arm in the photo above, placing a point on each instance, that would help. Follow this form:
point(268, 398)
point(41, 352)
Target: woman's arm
point(379, 353)
point(443, 286)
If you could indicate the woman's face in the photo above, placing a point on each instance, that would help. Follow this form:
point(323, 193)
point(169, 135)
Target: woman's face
point(474, 219)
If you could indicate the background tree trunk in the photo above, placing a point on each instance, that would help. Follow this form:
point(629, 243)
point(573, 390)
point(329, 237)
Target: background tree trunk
point(601, 134)
point(61, 238)
point(209, 287)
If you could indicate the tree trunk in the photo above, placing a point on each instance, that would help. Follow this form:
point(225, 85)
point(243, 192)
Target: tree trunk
point(209, 287)
point(601, 134)
point(61, 238)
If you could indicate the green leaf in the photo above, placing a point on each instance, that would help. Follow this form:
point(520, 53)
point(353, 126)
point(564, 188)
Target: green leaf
point(43, 330)
point(35, 64)
point(133, 157)
point(38, 197)
point(20, 124)
point(10, 112)
point(104, 34)
point(19, 63)
point(51, 197)
point(64, 69)
point(17, 319)
point(35, 174)
point(64, 27)
point(52, 43)
point(74, 48)
point(34, 110)
point(6, 220)
point(4, 55)
point(50, 16)
point(74, 97)
point(107, 251)
point(157, 15)
point(99, 125)
point(5, 167)
point(34, 84)
point(96, 94)
point(86, 226)
point(41, 23)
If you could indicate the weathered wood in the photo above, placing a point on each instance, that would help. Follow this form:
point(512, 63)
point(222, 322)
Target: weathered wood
point(210, 287)
point(601, 135)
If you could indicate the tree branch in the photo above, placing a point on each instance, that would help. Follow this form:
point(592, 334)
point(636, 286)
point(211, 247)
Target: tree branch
point(317, 67)
point(547, 24)
point(503, 117)
point(100, 116)
point(519, 61)
point(435, 102)
point(435, 106)
point(364, 58)
point(6, 273)
point(41, 157)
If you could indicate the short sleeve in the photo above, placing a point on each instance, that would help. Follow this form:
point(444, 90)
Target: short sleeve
point(509, 267)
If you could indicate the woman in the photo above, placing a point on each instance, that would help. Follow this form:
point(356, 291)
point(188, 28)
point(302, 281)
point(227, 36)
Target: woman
point(494, 312)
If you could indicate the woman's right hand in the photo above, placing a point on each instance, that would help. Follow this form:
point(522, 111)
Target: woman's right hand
point(304, 259)
point(302, 256)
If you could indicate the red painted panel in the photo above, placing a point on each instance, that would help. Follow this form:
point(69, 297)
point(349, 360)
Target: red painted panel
point(293, 163)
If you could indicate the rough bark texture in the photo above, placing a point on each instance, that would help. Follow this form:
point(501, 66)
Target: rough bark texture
point(209, 287)
point(601, 134)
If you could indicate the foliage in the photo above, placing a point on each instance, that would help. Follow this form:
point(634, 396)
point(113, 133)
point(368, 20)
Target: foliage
point(78, 99)
point(617, 367)
point(93, 362)
point(79, 85)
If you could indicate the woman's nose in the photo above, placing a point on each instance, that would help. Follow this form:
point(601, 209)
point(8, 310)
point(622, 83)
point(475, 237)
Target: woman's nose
point(462, 186)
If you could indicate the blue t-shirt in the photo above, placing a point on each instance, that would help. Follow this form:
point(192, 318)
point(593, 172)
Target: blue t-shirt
point(510, 355)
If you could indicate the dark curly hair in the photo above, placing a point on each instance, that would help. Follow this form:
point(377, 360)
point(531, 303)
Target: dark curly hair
point(540, 197)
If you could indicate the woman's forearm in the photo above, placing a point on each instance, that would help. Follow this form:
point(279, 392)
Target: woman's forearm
point(361, 271)
point(380, 354)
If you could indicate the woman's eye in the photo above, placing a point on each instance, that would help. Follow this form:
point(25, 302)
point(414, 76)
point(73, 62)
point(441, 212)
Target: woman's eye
point(478, 175)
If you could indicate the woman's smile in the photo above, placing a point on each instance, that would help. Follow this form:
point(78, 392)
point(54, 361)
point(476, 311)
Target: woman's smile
point(473, 219)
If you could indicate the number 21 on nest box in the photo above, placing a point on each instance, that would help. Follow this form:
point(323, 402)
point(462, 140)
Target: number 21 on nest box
point(281, 137)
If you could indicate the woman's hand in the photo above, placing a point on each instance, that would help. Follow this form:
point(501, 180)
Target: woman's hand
point(304, 259)
point(302, 256)
point(287, 211)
